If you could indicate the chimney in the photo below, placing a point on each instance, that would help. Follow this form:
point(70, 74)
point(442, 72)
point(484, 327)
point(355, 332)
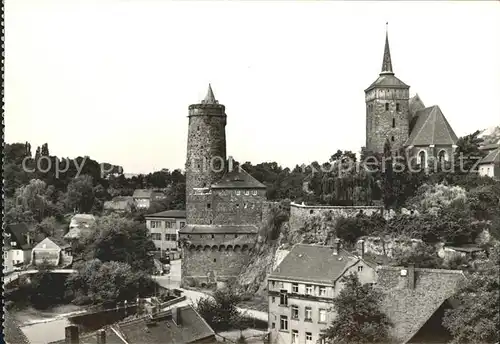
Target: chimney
point(411, 276)
point(336, 247)
point(176, 316)
point(361, 248)
point(101, 337)
point(71, 335)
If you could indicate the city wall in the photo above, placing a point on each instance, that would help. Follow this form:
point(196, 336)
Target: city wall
point(300, 213)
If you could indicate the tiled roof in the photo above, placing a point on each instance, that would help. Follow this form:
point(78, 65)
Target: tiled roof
point(313, 263)
point(415, 104)
point(387, 80)
point(431, 128)
point(164, 330)
point(19, 232)
point(490, 146)
point(410, 308)
point(180, 214)
point(492, 157)
point(238, 178)
point(142, 193)
point(119, 203)
point(217, 229)
point(12, 333)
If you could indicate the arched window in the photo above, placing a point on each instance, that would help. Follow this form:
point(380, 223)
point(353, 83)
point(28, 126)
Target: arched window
point(442, 156)
point(422, 159)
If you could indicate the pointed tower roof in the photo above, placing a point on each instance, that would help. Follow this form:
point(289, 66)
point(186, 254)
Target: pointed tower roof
point(209, 98)
point(387, 62)
point(386, 78)
point(431, 128)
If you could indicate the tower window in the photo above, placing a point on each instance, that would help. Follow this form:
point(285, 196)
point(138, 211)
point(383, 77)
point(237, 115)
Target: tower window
point(394, 123)
point(397, 106)
point(215, 260)
point(392, 138)
point(198, 128)
point(208, 205)
point(386, 106)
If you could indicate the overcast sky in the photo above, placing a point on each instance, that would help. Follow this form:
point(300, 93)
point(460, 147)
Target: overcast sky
point(114, 79)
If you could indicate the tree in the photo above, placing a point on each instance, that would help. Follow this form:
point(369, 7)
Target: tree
point(81, 194)
point(467, 152)
point(113, 238)
point(108, 283)
point(349, 229)
point(477, 315)
point(220, 311)
point(358, 316)
point(33, 198)
point(46, 288)
point(432, 198)
point(421, 255)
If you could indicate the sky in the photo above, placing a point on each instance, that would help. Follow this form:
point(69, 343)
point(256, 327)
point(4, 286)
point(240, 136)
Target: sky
point(113, 79)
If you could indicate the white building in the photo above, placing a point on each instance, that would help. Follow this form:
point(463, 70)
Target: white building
point(17, 246)
point(490, 165)
point(164, 228)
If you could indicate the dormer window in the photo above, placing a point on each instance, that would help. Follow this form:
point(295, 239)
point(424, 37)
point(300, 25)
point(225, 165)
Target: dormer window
point(247, 193)
point(238, 192)
point(254, 192)
point(386, 106)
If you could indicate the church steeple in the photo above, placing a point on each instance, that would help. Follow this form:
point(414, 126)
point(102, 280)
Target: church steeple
point(387, 63)
point(210, 98)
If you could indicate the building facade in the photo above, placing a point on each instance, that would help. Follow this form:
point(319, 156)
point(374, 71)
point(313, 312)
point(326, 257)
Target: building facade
point(403, 122)
point(164, 228)
point(301, 290)
point(489, 166)
point(17, 246)
point(224, 204)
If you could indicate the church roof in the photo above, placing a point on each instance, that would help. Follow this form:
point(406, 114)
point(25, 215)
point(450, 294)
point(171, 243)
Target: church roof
point(238, 178)
point(431, 128)
point(492, 157)
point(387, 78)
point(415, 104)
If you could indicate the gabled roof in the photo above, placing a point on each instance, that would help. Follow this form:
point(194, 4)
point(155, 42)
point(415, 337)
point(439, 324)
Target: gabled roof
point(19, 232)
point(217, 229)
point(493, 157)
point(54, 242)
point(313, 263)
point(142, 193)
point(415, 104)
point(160, 328)
point(431, 128)
point(177, 214)
point(82, 219)
point(238, 178)
point(163, 329)
point(410, 308)
point(490, 146)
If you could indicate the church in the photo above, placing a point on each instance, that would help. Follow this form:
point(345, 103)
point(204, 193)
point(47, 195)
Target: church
point(391, 115)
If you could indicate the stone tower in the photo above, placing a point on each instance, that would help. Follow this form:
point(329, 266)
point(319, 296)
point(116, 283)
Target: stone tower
point(387, 108)
point(206, 156)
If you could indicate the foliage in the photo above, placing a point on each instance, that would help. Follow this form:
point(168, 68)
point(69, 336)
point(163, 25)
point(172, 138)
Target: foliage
point(46, 289)
point(432, 198)
point(220, 311)
point(420, 255)
point(476, 318)
point(358, 319)
point(467, 152)
point(349, 229)
point(108, 283)
point(81, 194)
point(113, 238)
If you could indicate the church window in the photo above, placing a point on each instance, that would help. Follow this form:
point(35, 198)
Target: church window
point(442, 156)
point(247, 193)
point(386, 106)
point(237, 205)
point(397, 106)
point(422, 159)
point(394, 123)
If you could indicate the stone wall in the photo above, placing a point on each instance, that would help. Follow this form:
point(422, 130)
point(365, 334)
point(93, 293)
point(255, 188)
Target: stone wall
point(382, 124)
point(206, 151)
point(222, 264)
point(385, 246)
point(299, 214)
point(236, 207)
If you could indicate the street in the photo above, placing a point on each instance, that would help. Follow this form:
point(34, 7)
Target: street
point(173, 280)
